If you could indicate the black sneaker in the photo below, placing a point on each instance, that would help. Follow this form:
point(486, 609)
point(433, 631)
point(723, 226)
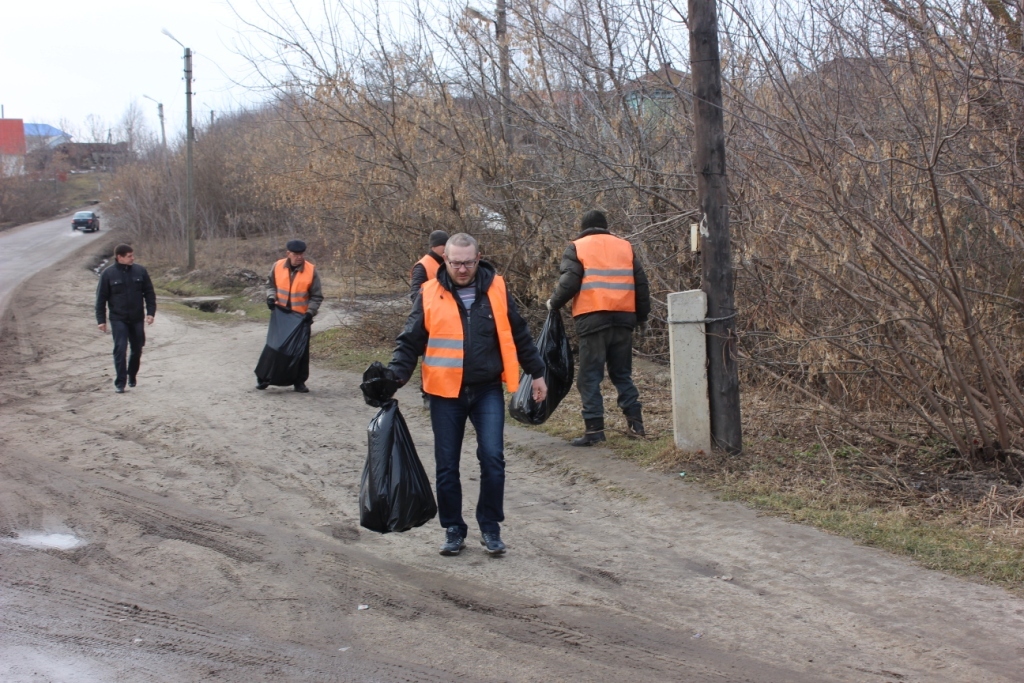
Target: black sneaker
point(131, 381)
point(454, 541)
point(492, 541)
point(302, 388)
point(262, 385)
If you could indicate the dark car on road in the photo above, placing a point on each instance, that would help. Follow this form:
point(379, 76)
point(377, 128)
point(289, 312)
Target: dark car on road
point(86, 221)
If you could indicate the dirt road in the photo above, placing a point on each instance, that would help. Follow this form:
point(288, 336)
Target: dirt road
point(26, 246)
point(218, 539)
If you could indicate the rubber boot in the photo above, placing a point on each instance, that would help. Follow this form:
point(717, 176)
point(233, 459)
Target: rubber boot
point(635, 423)
point(594, 433)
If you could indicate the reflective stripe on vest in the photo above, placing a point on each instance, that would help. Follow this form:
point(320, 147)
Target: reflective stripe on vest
point(607, 283)
point(442, 361)
point(430, 265)
point(293, 293)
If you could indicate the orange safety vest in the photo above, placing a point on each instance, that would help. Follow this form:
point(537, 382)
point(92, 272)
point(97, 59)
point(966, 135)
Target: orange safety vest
point(431, 265)
point(442, 362)
point(607, 275)
point(294, 295)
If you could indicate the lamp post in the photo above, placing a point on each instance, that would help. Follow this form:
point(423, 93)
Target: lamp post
point(160, 115)
point(190, 227)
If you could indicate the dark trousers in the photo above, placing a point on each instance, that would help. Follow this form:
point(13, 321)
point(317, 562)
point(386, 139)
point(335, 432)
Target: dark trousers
point(612, 346)
point(485, 409)
point(127, 335)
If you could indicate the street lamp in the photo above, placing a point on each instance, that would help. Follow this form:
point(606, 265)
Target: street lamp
point(501, 37)
point(160, 115)
point(190, 227)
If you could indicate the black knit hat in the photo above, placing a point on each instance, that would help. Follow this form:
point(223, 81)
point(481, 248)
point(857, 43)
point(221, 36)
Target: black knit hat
point(295, 246)
point(438, 238)
point(593, 219)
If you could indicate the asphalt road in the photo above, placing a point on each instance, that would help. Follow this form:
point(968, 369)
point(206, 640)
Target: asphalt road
point(27, 249)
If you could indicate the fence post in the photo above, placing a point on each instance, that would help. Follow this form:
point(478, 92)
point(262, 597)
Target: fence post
point(691, 419)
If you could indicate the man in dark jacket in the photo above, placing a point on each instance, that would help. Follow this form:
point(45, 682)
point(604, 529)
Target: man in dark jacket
point(610, 297)
point(426, 268)
point(471, 336)
point(125, 288)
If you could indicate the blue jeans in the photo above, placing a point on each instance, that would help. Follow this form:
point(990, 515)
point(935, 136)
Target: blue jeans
point(127, 335)
point(485, 408)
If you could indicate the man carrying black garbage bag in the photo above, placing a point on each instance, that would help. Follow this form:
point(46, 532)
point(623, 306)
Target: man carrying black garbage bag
point(610, 297)
point(471, 336)
point(294, 286)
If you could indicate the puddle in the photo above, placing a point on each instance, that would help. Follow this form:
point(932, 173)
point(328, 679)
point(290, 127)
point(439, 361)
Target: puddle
point(58, 541)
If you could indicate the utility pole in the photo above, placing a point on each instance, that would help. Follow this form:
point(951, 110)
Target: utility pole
point(718, 279)
point(501, 36)
point(189, 197)
point(190, 228)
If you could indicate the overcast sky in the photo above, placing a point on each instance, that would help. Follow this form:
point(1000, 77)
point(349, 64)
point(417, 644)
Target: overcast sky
point(66, 59)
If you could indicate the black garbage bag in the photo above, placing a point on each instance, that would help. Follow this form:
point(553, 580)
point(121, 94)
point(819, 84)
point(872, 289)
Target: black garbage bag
point(559, 371)
point(394, 494)
point(287, 340)
point(379, 384)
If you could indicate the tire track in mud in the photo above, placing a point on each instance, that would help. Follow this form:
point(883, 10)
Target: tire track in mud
point(153, 520)
point(149, 638)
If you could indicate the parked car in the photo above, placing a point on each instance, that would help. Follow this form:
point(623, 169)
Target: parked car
point(86, 221)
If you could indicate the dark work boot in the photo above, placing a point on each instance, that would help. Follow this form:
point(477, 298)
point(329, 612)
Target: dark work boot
point(594, 433)
point(635, 423)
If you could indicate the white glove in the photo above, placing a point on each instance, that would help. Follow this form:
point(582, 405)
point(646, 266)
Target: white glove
point(547, 304)
point(644, 328)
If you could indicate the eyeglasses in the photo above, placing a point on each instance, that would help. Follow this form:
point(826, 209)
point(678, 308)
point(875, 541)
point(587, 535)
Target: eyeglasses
point(459, 265)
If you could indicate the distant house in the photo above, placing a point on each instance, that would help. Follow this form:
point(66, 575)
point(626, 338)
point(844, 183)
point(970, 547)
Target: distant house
point(94, 155)
point(12, 147)
point(658, 93)
point(44, 136)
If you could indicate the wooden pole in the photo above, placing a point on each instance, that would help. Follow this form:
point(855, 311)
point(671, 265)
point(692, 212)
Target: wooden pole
point(712, 191)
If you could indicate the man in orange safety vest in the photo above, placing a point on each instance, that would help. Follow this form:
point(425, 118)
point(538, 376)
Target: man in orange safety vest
point(610, 297)
point(294, 285)
point(472, 338)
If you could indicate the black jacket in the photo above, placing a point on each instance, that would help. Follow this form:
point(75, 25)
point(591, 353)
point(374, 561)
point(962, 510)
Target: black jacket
point(571, 277)
point(419, 275)
point(125, 289)
point(482, 357)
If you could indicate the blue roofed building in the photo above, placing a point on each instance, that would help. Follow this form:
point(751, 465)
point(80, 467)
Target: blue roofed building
point(44, 136)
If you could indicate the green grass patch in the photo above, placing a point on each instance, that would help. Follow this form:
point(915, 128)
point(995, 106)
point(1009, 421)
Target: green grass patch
point(339, 348)
point(81, 188)
point(943, 544)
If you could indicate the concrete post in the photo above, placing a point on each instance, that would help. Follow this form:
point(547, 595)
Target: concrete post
point(691, 417)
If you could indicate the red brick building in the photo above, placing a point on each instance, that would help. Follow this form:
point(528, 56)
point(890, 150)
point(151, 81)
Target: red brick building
point(12, 147)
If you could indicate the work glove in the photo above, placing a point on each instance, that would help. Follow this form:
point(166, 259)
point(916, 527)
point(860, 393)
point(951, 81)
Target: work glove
point(547, 305)
point(307, 319)
point(271, 302)
point(643, 329)
point(379, 384)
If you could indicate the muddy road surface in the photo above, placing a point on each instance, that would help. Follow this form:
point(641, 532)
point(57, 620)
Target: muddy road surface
point(196, 529)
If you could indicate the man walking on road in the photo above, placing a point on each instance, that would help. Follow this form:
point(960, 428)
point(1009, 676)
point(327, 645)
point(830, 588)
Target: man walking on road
point(610, 297)
point(125, 288)
point(471, 336)
point(294, 285)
